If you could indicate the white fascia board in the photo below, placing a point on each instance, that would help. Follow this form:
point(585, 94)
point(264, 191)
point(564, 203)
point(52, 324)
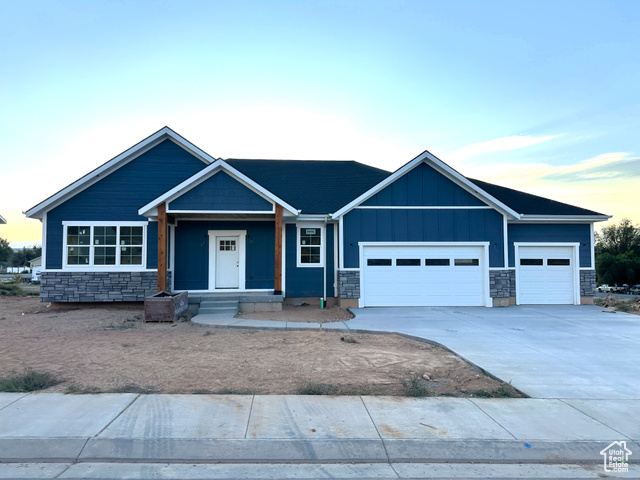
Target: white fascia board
point(441, 168)
point(561, 218)
point(114, 164)
point(2, 220)
point(205, 174)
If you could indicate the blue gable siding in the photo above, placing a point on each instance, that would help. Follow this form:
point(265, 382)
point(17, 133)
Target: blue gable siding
point(423, 186)
point(118, 196)
point(307, 281)
point(382, 225)
point(574, 233)
point(191, 271)
point(221, 192)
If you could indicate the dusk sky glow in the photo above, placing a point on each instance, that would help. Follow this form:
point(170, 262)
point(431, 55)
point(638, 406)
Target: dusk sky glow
point(541, 96)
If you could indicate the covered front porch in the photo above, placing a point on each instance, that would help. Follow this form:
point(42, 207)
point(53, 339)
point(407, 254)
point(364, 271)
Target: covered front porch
point(220, 253)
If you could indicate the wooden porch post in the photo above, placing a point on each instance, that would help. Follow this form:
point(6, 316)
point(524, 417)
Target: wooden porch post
point(162, 247)
point(277, 282)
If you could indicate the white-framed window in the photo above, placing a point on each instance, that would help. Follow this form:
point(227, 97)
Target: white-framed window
point(310, 245)
point(104, 245)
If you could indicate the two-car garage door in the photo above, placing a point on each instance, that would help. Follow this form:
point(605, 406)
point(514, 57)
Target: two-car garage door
point(424, 275)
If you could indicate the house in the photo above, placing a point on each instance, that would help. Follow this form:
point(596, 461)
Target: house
point(165, 215)
point(36, 262)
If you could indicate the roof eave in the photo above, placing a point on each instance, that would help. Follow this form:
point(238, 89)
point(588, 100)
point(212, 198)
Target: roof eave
point(533, 218)
point(112, 165)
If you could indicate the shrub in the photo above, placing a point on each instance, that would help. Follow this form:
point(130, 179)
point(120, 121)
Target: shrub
point(28, 381)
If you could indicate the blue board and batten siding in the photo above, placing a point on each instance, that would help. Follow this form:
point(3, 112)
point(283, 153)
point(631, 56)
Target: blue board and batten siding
point(221, 192)
point(119, 195)
point(573, 233)
point(423, 186)
point(307, 281)
point(191, 271)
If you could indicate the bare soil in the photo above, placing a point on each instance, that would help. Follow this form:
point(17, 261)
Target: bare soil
point(111, 349)
point(302, 313)
point(628, 305)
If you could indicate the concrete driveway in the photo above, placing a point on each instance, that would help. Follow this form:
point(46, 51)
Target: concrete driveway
point(547, 351)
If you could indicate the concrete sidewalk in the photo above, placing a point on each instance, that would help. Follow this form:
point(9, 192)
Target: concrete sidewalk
point(279, 429)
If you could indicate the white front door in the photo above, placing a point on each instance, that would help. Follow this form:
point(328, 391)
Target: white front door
point(227, 262)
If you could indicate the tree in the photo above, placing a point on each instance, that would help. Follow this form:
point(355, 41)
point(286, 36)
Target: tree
point(618, 254)
point(5, 250)
point(619, 239)
point(619, 269)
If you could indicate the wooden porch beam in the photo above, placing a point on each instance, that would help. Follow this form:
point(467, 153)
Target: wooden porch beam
point(277, 281)
point(162, 247)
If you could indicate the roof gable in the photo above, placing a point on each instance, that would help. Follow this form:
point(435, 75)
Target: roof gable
point(443, 169)
point(423, 186)
point(220, 192)
point(114, 164)
point(150, 209)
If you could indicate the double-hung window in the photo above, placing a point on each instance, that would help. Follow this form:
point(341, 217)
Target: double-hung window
point(104, 244)
point(310, 249)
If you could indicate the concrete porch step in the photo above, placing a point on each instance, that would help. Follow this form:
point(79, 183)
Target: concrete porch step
point(206, 310)
point(221, 303)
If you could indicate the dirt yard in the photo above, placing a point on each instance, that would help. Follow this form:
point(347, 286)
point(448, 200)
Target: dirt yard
point(112, 349)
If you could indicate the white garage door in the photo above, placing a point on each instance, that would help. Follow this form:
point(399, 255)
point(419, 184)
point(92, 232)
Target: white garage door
point(545, 275)
point(423, 276)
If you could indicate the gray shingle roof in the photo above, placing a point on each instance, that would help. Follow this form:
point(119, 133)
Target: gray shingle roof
point(325, 186)
point(313, 186)
point(527, 204)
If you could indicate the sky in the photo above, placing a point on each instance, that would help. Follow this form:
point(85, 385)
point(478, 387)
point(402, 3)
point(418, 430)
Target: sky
point(541, 96)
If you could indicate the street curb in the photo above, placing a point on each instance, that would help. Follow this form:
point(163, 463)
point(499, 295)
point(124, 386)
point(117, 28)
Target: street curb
point(171, 450)
point(41, 449)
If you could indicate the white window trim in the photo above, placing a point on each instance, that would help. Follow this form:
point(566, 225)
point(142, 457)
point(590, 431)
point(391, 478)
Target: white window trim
point(102, 268)
point(323, 239)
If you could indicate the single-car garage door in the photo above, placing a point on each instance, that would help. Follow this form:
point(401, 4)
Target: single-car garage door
point(423, 276)
point(545, 275)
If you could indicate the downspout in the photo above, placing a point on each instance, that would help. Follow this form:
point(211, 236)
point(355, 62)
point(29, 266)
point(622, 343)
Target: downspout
point(324, 268)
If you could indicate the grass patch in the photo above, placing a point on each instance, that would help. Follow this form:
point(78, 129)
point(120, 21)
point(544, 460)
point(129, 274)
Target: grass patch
point(12, 290)
point(503, 391)
point(414, 386)
point(317, 388)
point(81, 390)
point(348, 340)
point(28, 381)
point(133, 388)
point(234, 391)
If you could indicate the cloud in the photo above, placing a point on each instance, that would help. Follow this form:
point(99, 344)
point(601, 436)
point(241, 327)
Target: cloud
point(513, 142)
point(604, 183)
